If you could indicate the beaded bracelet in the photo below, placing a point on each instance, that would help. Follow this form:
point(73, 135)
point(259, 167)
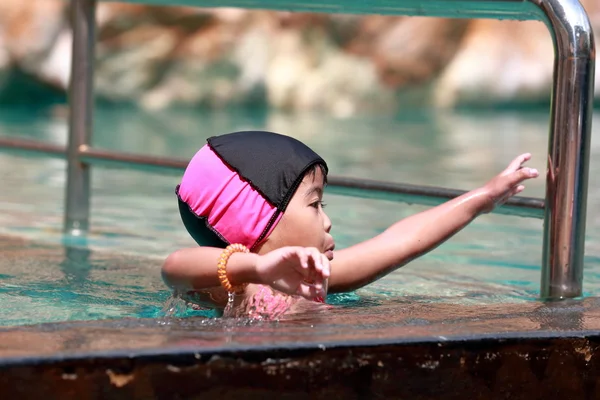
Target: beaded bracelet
point(222, 267)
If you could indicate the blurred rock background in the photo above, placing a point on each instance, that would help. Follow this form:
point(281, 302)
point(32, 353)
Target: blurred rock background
point(161, 57)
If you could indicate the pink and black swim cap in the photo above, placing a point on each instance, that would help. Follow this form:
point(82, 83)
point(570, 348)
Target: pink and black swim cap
point(236, 188)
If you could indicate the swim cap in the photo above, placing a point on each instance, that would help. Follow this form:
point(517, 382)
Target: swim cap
point(236, 188)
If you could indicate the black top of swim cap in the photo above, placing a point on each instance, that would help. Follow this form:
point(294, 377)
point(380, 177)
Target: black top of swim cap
point(273, 164)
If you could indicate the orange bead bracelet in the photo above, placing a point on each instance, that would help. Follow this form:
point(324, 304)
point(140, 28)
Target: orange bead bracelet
point(222, 267)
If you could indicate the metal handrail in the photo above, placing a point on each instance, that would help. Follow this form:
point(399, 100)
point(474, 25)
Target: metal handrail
point(570, 123)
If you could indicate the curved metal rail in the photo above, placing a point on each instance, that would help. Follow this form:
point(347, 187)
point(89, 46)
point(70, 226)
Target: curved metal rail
point(570, 122)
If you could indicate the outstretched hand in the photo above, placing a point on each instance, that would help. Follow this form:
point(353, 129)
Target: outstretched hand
point(295, 270)
point(509, 182)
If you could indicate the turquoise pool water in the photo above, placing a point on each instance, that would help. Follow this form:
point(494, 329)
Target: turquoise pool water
point(114, 273)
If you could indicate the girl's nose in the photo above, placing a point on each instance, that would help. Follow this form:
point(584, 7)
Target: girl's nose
point(327, 224)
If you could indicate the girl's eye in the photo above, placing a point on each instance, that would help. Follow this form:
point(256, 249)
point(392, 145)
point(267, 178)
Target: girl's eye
point(316, 204)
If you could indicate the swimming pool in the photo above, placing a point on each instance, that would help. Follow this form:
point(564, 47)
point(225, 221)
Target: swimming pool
point(135, 223)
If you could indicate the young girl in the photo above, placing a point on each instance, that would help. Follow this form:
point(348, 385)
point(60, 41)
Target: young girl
point(253, 202)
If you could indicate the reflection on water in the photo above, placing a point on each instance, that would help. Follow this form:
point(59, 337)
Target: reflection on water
point(496, 259)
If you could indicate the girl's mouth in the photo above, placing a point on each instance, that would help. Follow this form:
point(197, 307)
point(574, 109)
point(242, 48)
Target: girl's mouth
point(329, 254)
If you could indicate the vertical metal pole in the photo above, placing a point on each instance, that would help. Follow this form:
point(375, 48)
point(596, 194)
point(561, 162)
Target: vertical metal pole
point(569, 149)
point(81, 105)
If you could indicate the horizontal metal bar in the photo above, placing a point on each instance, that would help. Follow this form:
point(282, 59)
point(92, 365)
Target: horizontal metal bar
point(111, 158)
point(354, 187)
point(32, 146)
point(497, 9)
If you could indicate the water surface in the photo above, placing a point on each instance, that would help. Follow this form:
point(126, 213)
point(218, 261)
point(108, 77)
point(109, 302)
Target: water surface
point(114, 273)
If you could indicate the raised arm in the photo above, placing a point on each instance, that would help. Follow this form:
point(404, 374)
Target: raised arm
point(411, 237)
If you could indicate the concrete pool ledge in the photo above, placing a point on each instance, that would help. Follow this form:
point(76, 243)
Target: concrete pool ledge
point(420, 351)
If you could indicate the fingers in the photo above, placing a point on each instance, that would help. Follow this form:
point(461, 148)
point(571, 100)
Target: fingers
point(516, 173)
point(509, 182)
point(302, 257)
point(310, 292)
point(309, 263)
point(514, 186)
point(319, 261)
point(326, 267)
point(516, 190)
point(318, 269)
point(304, 260)
point(311, 272)
point(523, 174)
point(315, 273)
point(518, 162)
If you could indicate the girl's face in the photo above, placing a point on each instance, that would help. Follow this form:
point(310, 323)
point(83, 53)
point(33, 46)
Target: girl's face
point(304, 222)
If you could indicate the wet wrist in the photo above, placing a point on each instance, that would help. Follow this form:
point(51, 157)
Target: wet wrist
point(480, 201)
point(241, 269)
point(484, 202)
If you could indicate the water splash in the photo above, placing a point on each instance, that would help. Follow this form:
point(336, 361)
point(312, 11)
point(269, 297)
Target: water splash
point(175, 306)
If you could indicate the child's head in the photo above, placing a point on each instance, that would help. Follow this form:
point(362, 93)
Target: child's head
point(260, 189)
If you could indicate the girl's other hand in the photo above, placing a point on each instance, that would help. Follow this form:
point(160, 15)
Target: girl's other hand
point(508, 183)
point(295, 270)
